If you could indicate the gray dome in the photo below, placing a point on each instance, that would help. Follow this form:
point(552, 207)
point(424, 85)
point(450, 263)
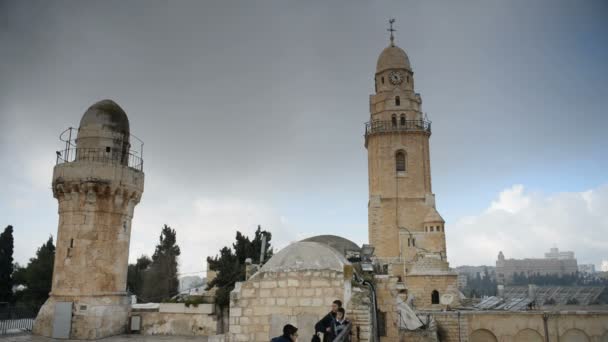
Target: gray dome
point(108, 114)
point(393, 57)
point(338, 243)
point(305, 255)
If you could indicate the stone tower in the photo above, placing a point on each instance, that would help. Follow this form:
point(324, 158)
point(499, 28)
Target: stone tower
point(404, 226)
point(97, 181)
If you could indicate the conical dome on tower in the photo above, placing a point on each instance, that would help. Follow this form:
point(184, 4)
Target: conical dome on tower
point(392, 57)
point(433, 216)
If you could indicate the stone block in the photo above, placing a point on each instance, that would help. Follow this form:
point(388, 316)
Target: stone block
point(236, 312)
point(268, 284)
point(320, 283)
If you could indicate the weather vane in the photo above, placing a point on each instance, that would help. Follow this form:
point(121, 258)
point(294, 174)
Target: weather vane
point(391, 30)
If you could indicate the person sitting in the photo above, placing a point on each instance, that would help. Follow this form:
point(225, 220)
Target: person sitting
point(325, 325)
point(340, 323)
point(290, 334)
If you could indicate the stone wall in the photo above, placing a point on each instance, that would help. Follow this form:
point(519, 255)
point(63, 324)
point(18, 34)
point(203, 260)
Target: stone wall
point(422, 286)
point(261, 306)
point(179, 320)
point(482, 326)
point(386, 291)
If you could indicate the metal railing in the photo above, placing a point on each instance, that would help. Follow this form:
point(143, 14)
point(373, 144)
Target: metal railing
point(100, 155)
point(379, 126)
point(14, 320)
point(344, 335)
point(130, 156)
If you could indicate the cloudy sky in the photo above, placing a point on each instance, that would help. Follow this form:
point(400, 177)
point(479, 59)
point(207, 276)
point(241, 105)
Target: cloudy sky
point(252, 113)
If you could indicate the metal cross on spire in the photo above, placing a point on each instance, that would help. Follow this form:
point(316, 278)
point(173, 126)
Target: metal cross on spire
point(391, 30)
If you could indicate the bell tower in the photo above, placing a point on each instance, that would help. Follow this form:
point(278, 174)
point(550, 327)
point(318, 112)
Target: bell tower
point(404, 226)
point(98, 181)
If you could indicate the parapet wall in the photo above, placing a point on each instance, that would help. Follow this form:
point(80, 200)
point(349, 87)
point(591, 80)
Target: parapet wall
point(486, 326)
point(178, 320)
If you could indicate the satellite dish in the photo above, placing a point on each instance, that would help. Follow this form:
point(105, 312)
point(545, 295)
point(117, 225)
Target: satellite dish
point(446, 299)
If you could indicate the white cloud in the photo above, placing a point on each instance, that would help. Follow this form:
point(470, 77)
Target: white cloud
point(525, 224)
point(204, 225)
point(511, 200)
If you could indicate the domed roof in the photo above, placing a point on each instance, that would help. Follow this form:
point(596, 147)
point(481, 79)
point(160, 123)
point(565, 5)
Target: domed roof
point(108, 114)
point(393, 57)
point(338, 243)
point(306, 255)
point(433, 216)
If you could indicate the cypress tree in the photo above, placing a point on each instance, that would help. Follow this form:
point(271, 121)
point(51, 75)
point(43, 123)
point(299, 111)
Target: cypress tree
point(6, 264)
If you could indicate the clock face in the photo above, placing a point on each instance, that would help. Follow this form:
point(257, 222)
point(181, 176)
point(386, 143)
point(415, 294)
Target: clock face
point(395, 77)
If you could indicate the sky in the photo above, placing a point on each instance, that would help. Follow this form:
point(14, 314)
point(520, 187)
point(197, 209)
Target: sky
point(252, 113)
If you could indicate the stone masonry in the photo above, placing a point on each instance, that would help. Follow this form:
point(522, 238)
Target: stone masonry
point(97, 192)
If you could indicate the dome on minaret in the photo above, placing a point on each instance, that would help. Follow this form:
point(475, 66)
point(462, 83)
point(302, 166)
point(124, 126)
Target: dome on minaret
point(106, 114)
point(393, 57)
point(104, 133)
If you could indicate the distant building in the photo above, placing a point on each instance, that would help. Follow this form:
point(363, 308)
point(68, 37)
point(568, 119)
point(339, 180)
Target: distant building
point(555, 253)
point(586, 268)
point(189, 282)
point(554, 263)
point(472, 271)
point(462, 281)
point(604, 266)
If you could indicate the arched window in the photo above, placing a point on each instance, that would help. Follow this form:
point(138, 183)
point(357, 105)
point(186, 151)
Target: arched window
point(400, 161)
point(397, 101)
point(402, 120)
point(394, 120)
point(435, 297)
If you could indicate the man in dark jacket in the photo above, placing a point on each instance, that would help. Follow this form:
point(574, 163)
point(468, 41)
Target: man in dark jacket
point(325, 325)
point(290, 334)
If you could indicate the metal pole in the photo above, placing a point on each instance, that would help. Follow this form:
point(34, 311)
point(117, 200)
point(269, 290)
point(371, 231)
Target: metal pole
point(263, 249)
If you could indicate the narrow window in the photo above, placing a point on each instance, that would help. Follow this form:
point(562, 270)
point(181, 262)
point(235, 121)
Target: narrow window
point(432, 228)
point(414, 242)
point(381, 316)
point(435, 297)
point(108, 149)
point(409, 242)
point(407, 79)
point(402, 120)
point(382, 79)
point(397, 101)
point(71, 243)
point(394, 120)
point(400, 161)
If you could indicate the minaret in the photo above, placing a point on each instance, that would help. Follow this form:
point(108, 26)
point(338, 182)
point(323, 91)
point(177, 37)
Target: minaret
point(97, 181)
point(404, 225)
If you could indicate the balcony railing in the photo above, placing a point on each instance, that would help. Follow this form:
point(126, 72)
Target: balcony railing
point(378, 126)
point(100, 155)
point(133, 157)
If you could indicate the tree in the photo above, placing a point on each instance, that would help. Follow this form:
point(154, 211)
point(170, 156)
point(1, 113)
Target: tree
point(6, 264)
point(230, 266)
point(160, 280)
point(37, 276)
point(135, 274)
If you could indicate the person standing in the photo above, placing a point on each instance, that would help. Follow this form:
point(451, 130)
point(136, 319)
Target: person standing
point(325, 325)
